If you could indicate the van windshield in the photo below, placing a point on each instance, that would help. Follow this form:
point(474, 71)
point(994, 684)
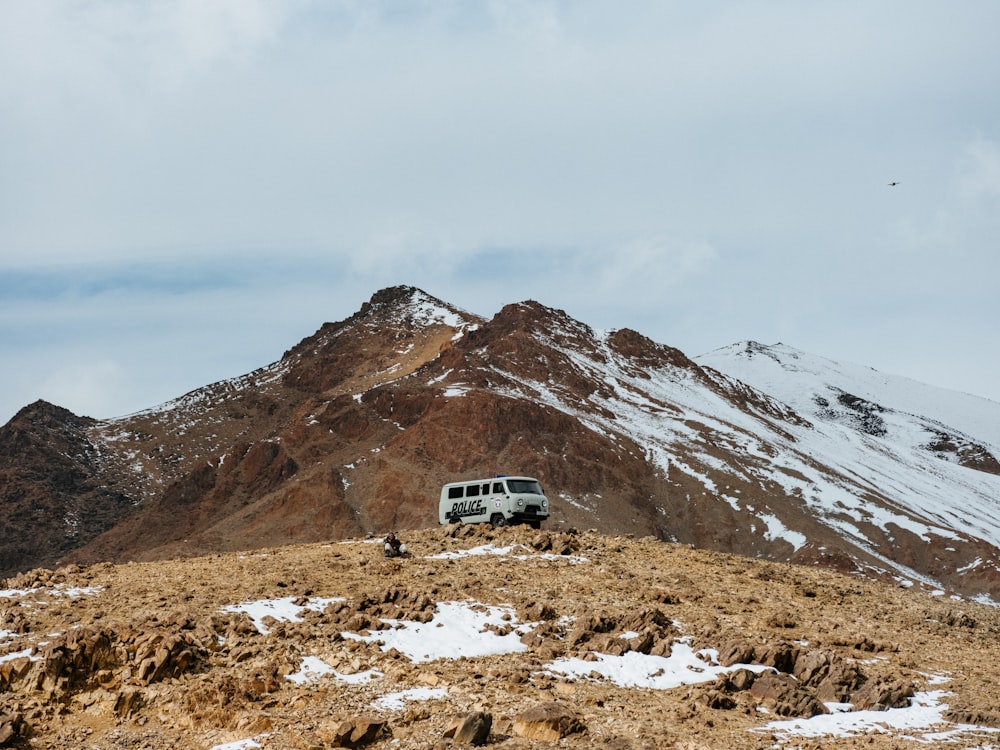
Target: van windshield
point(524, 487)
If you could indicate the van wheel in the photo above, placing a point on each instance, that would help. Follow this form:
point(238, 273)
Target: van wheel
point(536, 524)
point(497, 520)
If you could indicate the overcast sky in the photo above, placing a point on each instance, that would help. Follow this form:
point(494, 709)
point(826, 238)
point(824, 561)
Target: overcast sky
point(190, 187)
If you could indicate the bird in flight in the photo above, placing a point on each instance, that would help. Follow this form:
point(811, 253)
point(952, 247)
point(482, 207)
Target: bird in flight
point(893, 184)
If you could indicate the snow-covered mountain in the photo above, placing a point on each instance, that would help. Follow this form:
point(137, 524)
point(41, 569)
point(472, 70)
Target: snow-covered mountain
point(931, 452)
point(761, 451)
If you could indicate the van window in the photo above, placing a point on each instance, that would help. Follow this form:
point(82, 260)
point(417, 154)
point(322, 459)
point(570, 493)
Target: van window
point(454, 493)
point(498, 488)
point(472, 490)
point(486, 488)
point(524, 487)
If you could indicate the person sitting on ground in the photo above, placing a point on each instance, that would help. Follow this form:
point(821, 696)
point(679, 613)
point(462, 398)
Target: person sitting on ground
point(393, 546)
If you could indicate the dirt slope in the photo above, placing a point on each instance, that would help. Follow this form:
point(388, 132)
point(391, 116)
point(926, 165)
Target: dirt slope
point(143, 655)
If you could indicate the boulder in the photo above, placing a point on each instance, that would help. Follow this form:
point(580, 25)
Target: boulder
point(547, 721)
point(840, 681)
point(882, 695)
point(11, 726)
point(472, 729)
point(782, 656)
point(967, 716)
point(128, 701)
point(718, 699)
point(360, 732)
point(737, 681)
point(736, 652)
point(812, 666)
point(13, 670)
point(786, 696)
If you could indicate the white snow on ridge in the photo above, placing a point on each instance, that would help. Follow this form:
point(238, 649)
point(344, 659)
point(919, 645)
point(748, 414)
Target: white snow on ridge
point(926, 495)
point(794, 376)
point(776, 530)
point(942, 494)
point(199, 400)
point(425, 310)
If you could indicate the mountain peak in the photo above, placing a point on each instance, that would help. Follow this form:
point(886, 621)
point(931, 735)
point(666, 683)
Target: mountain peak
point(408, 304)
point(393, 296)
point(748, 349)
point(528, 315)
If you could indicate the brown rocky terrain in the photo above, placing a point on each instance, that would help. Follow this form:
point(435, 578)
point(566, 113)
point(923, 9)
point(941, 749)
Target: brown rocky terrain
point(155, 655)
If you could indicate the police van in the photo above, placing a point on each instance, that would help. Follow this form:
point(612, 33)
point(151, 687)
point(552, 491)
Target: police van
point(499, 501)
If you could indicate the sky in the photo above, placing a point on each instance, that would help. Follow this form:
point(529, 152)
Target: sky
point(190, 187)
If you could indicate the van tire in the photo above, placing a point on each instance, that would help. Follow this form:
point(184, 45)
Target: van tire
point(497, 520)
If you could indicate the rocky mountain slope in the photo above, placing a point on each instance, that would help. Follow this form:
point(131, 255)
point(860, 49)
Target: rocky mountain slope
point(355, 429)
point(512, 638)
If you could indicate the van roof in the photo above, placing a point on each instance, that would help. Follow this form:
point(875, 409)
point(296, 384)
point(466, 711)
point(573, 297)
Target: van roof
point(490, 479)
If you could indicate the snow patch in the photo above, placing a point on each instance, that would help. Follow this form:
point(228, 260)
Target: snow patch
point(458, 629)
point(395, 701)
point(923, 721)
point(283, 610)
point(684, 666)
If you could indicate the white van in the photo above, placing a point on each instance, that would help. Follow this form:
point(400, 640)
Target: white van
point(500, 501)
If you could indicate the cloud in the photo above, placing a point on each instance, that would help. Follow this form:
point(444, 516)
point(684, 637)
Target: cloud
point(94, 387)
point(979, 171)
point(527, 19)
point(700, 172)
point(643, 275)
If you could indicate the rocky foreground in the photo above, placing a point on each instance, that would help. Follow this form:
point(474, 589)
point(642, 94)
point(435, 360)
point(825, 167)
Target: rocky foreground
point(529, 639)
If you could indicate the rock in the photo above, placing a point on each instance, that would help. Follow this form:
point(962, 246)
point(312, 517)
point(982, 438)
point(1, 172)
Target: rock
point(784, 620)
point(172, 657)
point(838, 684)
point(642, 643)
point(736, 652)
point(547, 721)
point(786, 696)
point(742, 679)
point(800, 703)
point(473, 729)
point(880, 696)
point(586, 628)
point(782, 656)
point(812, 666)
point(959, 620)
point(11, 726)
point(537, 611)
point(13, 670)
point(717, 699)
point(128, 701)
point(360, 732)
point(771, 686)
point(982, 718)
